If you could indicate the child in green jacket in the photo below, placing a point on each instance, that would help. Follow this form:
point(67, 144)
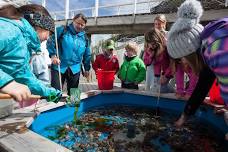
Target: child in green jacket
point(133, 70)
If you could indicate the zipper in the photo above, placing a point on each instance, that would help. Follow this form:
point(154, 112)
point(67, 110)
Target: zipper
point(127, 71)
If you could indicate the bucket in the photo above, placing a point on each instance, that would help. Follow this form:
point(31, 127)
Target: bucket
point(105, 79)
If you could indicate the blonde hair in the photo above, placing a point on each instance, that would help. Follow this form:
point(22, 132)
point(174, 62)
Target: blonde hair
point(161, 17)
point(132, 46)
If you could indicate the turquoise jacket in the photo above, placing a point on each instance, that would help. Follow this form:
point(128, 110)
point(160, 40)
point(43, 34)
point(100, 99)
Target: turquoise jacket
point(73, 49)
point(132, 70)
point(17, 41)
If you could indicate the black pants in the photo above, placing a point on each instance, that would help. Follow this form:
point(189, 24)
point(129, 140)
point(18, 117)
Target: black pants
point(71, 79)
point(129, 85)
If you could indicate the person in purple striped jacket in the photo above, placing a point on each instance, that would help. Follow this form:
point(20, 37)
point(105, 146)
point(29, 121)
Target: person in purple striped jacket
point(206, 51)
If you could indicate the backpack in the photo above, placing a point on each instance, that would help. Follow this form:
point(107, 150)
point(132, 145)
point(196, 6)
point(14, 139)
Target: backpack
point(64, 32)
point(213, 29)
point(212, 32)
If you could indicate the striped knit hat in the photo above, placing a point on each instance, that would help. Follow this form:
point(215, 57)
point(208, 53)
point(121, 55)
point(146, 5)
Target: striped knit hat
point(184, 35)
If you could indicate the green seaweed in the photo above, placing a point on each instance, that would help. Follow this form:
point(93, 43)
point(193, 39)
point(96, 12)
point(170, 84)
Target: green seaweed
point(74, 100)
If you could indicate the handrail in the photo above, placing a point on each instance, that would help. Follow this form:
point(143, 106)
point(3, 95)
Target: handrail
point(138, 39)
point(118, 6)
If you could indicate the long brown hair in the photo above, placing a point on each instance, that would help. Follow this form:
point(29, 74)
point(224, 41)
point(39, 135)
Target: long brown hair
point(196, 62)
point(43, 19)
point(154, 35)
point(10, 12)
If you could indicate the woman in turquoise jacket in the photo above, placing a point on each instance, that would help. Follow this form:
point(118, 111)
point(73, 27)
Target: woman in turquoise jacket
point(74, 50)
point(21, 31)
point(133, 70)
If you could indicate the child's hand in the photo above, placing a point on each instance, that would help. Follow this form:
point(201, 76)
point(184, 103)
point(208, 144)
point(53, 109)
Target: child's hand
point(55, 60)
point(86, 74)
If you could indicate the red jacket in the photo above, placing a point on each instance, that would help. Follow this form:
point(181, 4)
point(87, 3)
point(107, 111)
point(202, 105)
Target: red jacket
point(107, 64)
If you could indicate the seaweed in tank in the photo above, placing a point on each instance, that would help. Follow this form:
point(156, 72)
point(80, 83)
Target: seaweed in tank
point(106, 129)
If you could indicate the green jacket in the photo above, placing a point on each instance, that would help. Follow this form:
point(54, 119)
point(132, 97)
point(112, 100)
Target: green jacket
point(132, 70)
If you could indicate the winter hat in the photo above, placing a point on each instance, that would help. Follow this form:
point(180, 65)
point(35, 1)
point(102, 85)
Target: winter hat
point(41, 20)
point(110, 44)
point(184, 35)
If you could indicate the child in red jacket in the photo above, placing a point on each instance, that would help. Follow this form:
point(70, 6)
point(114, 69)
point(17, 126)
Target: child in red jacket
point(107, 61)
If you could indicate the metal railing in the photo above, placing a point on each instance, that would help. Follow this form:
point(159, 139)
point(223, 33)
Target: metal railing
point(136, 7)
point(121, 45)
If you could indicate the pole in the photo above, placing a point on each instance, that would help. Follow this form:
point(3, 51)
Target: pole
point(67, 6)
point(44, 3)
point(57, 54)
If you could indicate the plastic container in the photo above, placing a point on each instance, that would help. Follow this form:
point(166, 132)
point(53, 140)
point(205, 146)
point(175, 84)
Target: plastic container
point(27, 103)
point(105, 79)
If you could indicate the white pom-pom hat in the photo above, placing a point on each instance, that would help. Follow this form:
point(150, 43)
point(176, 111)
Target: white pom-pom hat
point(184, 35)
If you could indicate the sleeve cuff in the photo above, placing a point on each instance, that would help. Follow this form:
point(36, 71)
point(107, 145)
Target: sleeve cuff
point(6, 84)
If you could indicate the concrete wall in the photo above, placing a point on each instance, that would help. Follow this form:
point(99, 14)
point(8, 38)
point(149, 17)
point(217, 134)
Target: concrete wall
point(136, 24)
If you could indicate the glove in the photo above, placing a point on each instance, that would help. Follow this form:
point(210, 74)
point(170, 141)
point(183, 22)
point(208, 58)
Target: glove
point(75, 97)
point(53, 97)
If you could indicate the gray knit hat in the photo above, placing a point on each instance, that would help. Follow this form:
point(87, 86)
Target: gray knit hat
point(184, 35)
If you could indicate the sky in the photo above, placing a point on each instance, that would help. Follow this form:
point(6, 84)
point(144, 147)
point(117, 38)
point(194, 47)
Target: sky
point(58, 5)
